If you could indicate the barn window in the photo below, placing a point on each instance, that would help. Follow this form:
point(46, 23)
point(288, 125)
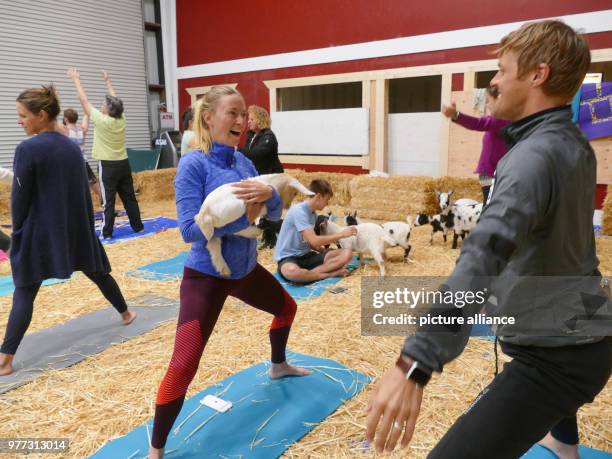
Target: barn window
point(483, 79)
point(320, 97)
point(415, 95)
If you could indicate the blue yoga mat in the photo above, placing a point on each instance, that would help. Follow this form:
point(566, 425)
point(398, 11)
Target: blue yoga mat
point(124, 232)
point(266, 418)
point(315, 289)
point(172, 269)
point(482, 331)
point(538, 452)
point(168, 270)
point(7, 287)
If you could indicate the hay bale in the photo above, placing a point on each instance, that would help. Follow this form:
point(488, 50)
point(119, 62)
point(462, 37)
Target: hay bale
point(5, 201)
point(338, 181)
point(155, 185)
point(607, 214)
point(396, 197)
point(389, 198)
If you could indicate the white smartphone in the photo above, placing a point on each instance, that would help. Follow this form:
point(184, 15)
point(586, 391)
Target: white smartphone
point(216, 403)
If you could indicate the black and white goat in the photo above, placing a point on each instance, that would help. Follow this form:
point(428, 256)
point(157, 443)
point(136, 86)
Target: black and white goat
point(438, 222)
point(221, 207)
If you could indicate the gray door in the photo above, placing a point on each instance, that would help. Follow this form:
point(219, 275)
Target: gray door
point(40, 40)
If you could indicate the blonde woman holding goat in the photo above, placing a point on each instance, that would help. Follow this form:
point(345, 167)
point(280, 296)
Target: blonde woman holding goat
point(219, 119)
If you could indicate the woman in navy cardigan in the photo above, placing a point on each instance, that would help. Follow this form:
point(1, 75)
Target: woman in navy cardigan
point(53, 222)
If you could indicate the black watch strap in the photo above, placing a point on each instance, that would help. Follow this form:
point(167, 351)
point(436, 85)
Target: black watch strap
point(414, 371)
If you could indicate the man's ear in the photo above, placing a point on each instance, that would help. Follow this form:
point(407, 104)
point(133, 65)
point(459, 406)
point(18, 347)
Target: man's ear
point(540, 75)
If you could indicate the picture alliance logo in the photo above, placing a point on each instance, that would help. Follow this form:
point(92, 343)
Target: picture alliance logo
point(412, 298)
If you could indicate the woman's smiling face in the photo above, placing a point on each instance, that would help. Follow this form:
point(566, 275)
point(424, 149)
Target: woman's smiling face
point(228, 120)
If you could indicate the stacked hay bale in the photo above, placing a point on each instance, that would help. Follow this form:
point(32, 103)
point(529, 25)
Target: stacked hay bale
point(338, 181)
point(607, 214)
point(388, 198)
point(395, 198)
point(155, 185)
point(5, 202)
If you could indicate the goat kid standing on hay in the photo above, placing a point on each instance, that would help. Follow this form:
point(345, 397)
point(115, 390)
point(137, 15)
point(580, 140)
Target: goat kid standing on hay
point(538, 222)
point(52, 213)
point(219, 119)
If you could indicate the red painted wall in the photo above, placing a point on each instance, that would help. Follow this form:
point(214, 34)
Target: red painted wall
point(216, 31)
point(251, 85)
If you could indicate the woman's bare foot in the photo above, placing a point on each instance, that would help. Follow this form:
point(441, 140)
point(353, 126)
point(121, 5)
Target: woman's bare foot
point(562, 450)
point(155, 453)
point(128, 317)
point(6, 364)
point(280, 370)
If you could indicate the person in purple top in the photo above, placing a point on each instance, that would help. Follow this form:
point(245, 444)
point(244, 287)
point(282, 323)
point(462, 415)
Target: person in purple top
point(493, 145)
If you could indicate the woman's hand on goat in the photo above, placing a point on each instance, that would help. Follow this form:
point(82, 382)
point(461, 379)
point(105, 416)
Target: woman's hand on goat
point(253, 210)
point(252, 191)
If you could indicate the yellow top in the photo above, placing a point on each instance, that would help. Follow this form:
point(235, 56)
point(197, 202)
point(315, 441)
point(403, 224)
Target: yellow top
point(109, 136)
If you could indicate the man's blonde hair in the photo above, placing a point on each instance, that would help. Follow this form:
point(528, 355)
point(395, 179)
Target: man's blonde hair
point(202, 139)
point(262, 118)
point(554, 43)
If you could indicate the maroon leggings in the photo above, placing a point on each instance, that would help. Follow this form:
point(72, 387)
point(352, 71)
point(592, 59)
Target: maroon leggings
point(202, 298)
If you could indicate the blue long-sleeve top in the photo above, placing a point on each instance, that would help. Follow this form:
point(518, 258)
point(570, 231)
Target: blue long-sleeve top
point(198, 174)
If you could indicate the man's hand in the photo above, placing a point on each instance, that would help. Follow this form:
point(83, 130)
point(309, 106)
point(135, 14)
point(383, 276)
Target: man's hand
point(348, 232)
point(393, 410)
point(252, 191)
point(450, 111)
point(253, 209)
point(74, 74)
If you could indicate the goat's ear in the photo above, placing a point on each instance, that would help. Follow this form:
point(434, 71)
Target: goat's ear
point(450, 193)
point(437, 193)
point(355, 214)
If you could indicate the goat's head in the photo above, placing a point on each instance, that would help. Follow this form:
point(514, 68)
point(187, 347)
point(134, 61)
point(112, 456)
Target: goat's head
point(350, 219)
point(321, 224)
point(444, 199)
point(421, 219)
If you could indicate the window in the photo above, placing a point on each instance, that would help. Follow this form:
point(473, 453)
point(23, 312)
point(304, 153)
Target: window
point(320, 97)
point(415, 95)
point(483, 79)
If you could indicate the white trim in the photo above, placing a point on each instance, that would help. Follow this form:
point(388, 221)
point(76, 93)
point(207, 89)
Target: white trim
point(168, 25)
point(593, 22)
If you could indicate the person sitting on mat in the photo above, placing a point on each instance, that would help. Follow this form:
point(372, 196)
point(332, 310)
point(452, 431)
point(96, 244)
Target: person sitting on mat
point(109, 149)
point(53, 223)
point(219, 119)
point(299, 252)
point(534, 249)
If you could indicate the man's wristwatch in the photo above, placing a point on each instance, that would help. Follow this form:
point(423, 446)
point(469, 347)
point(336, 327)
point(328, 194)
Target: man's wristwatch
point(415, 371)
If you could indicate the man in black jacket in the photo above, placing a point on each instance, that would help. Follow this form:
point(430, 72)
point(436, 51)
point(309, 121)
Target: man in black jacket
point(261, 146)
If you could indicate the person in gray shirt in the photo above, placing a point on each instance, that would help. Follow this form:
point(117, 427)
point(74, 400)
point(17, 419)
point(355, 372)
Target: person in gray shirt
point(534, 250)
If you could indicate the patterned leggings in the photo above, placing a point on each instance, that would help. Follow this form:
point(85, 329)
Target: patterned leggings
point(202, 298)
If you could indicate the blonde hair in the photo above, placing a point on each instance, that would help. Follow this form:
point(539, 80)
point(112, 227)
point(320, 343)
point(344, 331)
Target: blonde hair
point(202, 139)
point(262, 118)
point(554, 43)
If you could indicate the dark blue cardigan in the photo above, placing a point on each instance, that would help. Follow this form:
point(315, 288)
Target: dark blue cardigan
point(53, 222)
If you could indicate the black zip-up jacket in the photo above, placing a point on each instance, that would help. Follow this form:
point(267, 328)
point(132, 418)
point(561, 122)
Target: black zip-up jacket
point(533, 248)
point(262, 149)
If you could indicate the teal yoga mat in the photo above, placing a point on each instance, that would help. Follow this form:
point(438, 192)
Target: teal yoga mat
point(267, 415)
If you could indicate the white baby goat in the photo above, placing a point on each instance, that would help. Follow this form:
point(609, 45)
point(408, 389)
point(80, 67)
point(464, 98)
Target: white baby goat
point(222, 206)
point(371, 238)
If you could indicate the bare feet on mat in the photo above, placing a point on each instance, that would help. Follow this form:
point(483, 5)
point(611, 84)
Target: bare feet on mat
point(280, 370)
point(342, 272)
point(562, 450)
point(6, 364)
point(128, 317)
point(155, 453)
